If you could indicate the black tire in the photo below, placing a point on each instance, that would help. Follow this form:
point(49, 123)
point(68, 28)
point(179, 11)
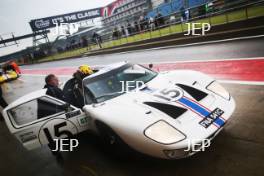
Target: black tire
point(108, 136)
point(114, 145)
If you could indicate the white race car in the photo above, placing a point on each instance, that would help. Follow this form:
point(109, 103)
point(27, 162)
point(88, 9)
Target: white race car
point(160, 118)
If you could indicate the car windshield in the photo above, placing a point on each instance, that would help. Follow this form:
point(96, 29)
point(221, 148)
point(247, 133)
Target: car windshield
point(116, 82)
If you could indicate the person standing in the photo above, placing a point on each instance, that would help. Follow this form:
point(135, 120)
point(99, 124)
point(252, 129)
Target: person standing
point(183, 15)
point(15, 66)
point(52, 86)
point(3, 103)
point(141, 23)
point(160, 19)
point(97, 39)
point(136, 27)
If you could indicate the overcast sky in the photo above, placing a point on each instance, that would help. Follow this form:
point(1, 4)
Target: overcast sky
point(15, 15)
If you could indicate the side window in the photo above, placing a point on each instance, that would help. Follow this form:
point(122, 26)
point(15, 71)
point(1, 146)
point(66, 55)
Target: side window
point(88, 96)
point(48, 107)
point(35, 109)
point(24, 113)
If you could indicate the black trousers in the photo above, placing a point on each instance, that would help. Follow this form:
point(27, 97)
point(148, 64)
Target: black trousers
point(2, 100)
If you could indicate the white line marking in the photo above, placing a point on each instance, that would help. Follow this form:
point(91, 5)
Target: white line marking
point(210, 60)
point(46, 68)
point(40, 75)
point(257, 83)
point(216, 41)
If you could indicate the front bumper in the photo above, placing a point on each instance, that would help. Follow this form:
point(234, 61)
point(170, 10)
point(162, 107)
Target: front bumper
point(192, 149)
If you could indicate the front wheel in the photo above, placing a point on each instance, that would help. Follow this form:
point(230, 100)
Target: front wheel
point(114, 144)
point(108, 136)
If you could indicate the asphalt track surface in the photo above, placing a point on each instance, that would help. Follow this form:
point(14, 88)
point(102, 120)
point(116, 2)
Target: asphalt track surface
point(237, 150)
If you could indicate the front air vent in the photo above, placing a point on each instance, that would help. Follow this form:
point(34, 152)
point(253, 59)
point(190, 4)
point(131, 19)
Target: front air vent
point(170, 110)
point(198, 95)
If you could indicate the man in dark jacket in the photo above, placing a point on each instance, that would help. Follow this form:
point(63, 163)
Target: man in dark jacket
point(3, 103)
point(52, 83)
point(2, 100)
point(73, 90)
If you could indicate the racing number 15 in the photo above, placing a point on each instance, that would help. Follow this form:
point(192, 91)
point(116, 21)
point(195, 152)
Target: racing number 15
point(57, 132)
point(169, 95)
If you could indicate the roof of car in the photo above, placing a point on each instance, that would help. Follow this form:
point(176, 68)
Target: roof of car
point(107, 69)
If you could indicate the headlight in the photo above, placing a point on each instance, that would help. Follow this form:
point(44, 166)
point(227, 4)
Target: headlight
point(216, 88)
point(162, 132)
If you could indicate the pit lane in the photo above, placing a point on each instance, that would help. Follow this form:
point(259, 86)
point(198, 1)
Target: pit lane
point(237, 150)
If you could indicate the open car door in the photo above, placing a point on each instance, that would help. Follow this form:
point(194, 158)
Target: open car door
point(37, 119)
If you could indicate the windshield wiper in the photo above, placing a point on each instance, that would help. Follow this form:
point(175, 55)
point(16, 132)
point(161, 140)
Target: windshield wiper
point(108, 95)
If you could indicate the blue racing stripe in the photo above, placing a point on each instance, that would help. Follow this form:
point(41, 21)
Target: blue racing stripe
point(200, 110)
point(194, 106)
point(219, 122)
